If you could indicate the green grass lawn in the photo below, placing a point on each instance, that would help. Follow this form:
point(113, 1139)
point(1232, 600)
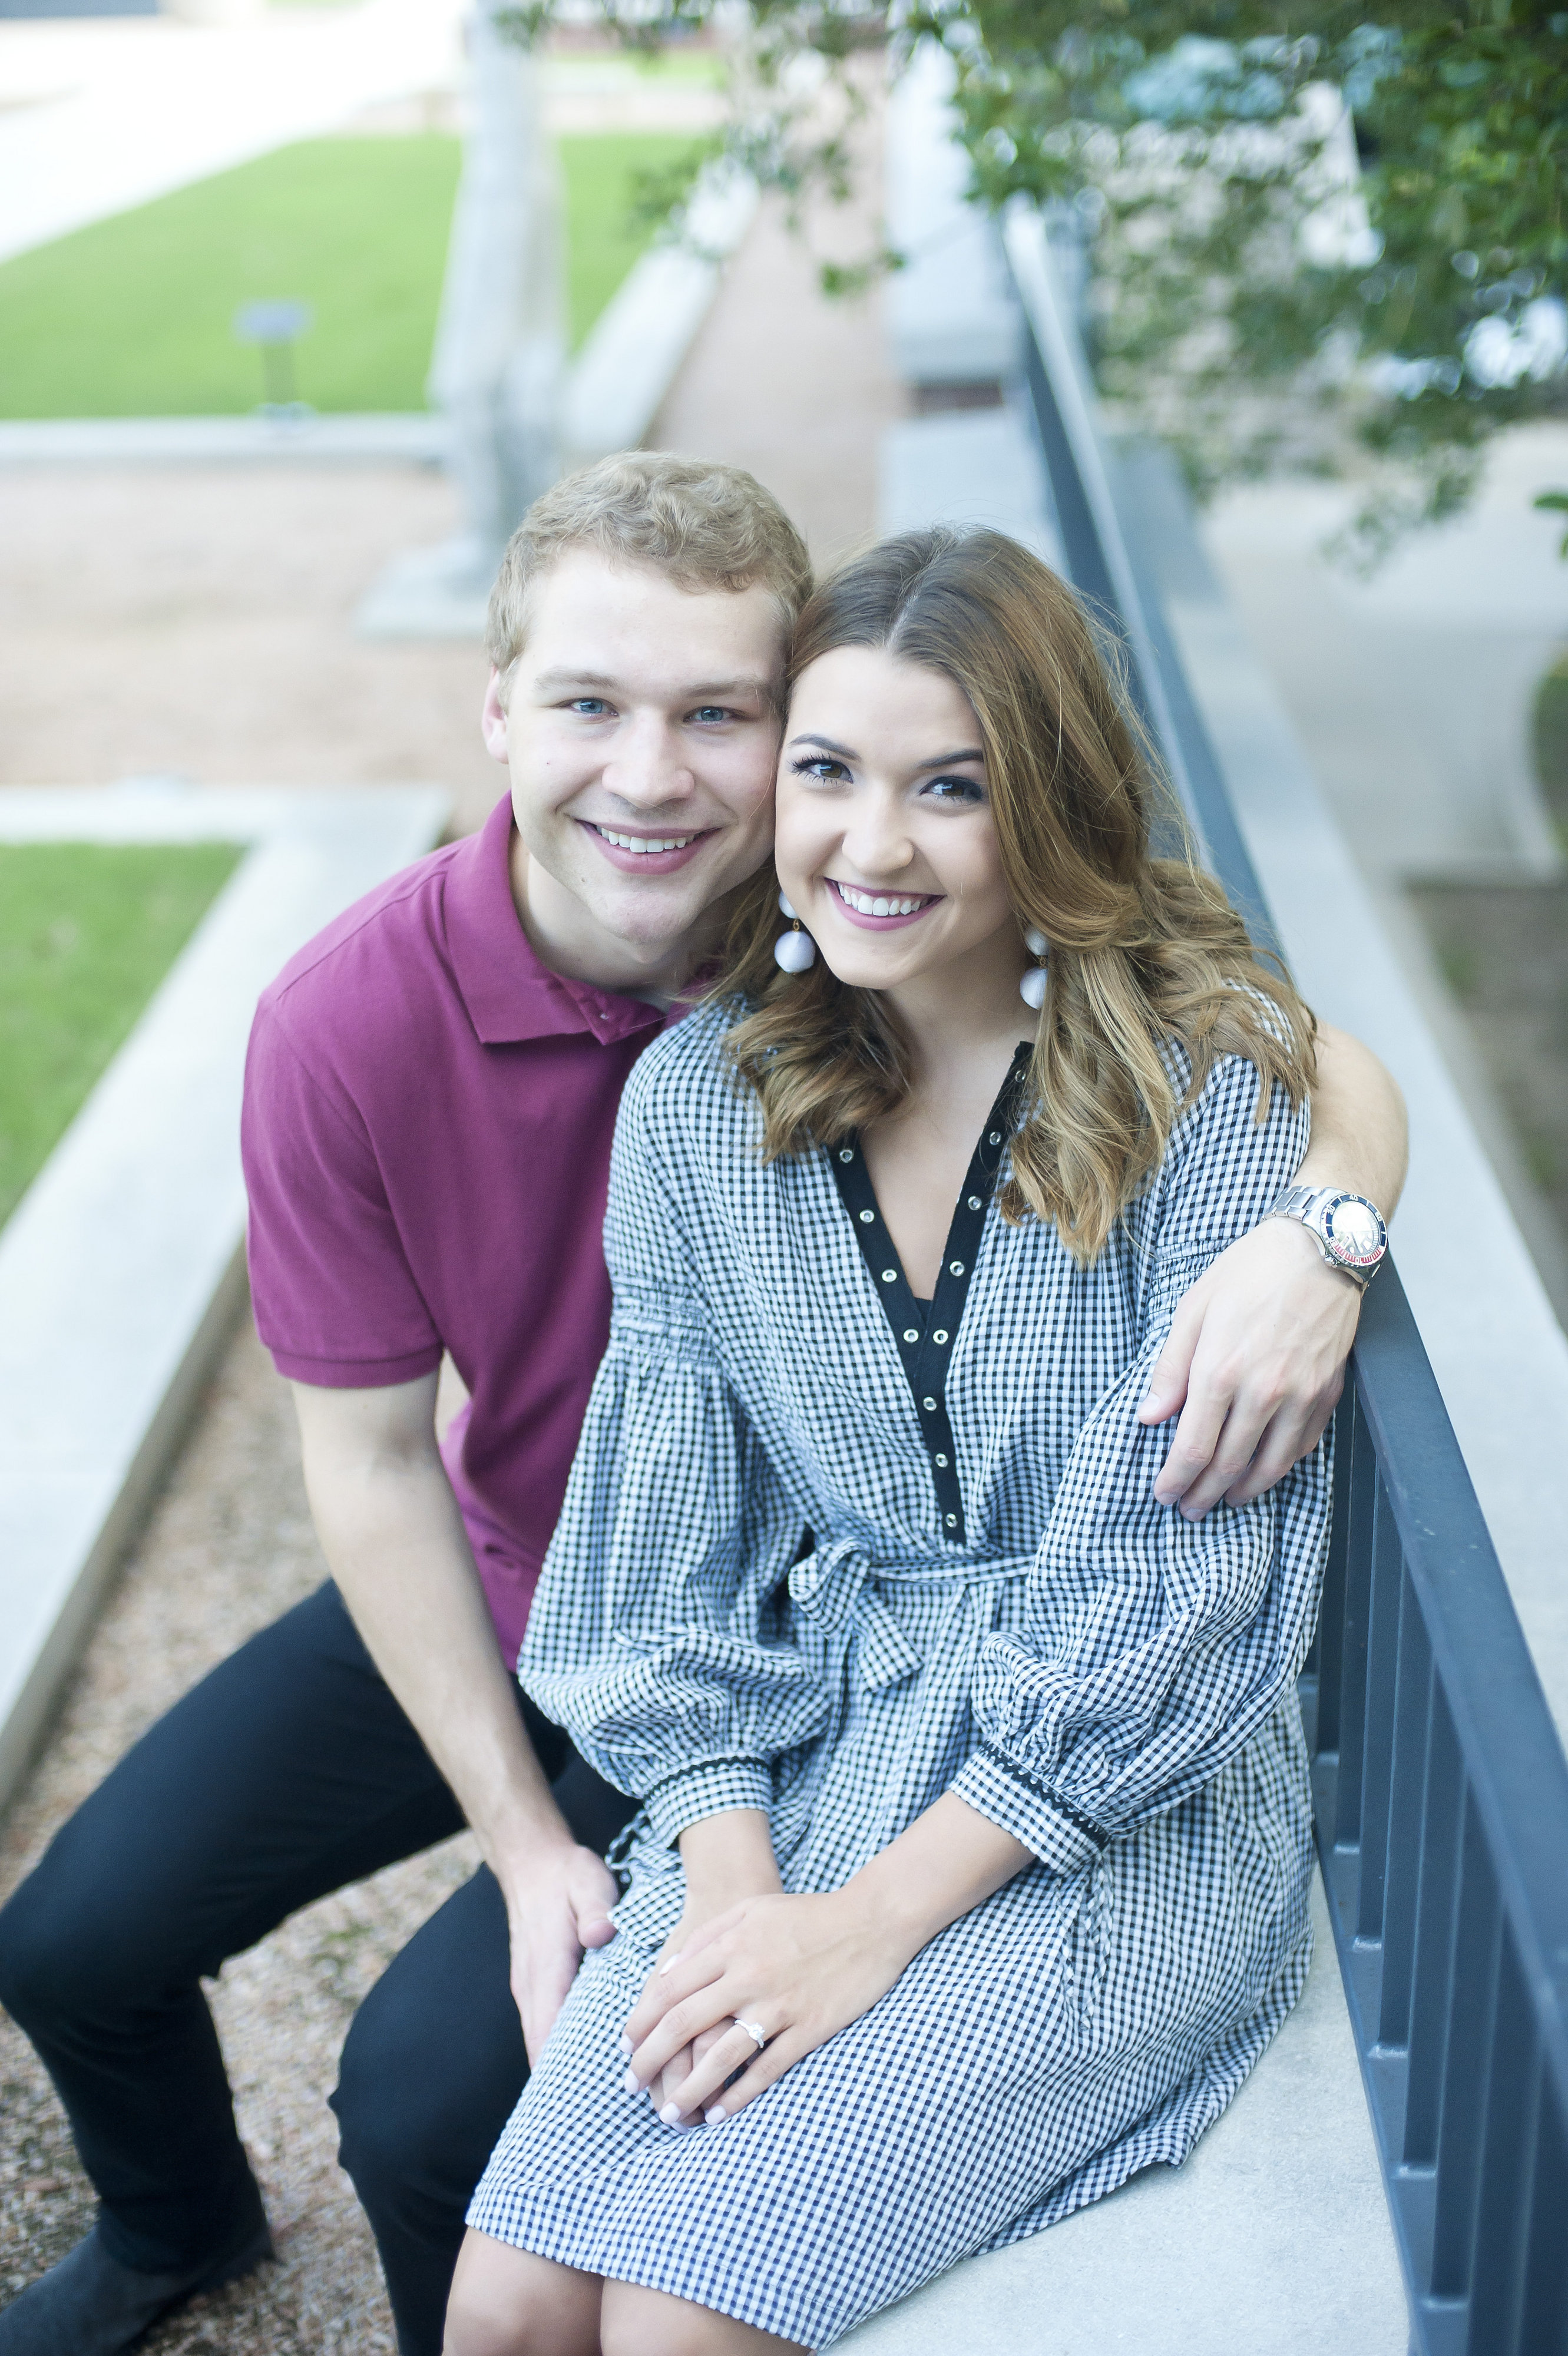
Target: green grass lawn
point(86, 932)
point(133, 316)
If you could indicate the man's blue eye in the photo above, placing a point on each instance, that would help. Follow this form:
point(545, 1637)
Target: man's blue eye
point(589, 703)
point(710, 712)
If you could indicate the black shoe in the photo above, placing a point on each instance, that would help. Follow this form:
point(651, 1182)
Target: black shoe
point(89, 2304)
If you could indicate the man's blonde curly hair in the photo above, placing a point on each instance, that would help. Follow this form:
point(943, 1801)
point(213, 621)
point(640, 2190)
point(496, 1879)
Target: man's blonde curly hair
point(704, 526)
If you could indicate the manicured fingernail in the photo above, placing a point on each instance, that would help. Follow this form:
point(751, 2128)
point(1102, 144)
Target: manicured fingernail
point(715, 2114)
point(670, 2115)
point(669, 1967)
point(626, 2047)
point(629, 2081)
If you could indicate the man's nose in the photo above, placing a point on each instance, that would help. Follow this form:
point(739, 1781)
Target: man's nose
point(647, 767)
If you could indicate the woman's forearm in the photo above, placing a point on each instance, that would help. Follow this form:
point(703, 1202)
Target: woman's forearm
point(1360, 1136)
point(949, 1860)
point(727, 1857)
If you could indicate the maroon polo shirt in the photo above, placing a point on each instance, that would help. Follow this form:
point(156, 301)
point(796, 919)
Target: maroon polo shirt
point(426, 1140)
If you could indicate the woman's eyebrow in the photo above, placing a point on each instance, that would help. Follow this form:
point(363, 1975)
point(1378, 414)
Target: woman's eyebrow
point(826, 744)
point(942, 761)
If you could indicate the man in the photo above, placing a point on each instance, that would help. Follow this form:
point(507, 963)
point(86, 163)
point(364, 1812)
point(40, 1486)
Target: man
point(429, 1098)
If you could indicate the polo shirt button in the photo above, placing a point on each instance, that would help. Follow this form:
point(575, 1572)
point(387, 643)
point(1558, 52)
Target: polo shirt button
point(955, 1267)
point(867, 1218)
point(846, 1153)
point(889, 1276)
point(953, 1521)
point(974, 1202)
point(912, 1333)
point(930, 1405)
point(940, 1459)
point(939, 1335)
point(995, 1137)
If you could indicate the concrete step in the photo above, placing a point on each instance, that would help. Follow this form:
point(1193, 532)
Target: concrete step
point(1274, 2240)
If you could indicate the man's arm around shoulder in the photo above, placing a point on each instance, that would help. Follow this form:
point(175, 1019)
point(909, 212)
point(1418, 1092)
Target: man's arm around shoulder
point(1255, 1360)
point(395, 1541)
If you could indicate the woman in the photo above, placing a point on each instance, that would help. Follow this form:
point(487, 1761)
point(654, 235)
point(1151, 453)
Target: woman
point(973, 1870)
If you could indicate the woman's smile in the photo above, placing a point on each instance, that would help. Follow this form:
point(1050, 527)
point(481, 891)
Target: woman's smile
point(881, 911)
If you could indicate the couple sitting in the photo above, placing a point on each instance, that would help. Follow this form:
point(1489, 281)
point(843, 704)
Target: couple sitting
point(971, 1845)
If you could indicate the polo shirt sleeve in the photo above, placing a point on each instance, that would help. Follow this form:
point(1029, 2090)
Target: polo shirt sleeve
point(334, 1297)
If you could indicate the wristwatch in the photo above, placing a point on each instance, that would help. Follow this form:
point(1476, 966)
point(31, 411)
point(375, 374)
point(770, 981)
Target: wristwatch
point(1347, 1229)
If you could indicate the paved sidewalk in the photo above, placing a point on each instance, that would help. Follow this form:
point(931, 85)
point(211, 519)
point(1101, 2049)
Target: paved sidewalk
point(199, 620)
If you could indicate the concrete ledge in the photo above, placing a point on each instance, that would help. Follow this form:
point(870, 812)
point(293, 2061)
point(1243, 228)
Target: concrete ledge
point(950, 311)
point(1274, 2240)
point(121, 1269)
point(630, 359)
point(974, 467)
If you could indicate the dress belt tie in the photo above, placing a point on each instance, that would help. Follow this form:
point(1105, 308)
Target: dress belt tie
point(835, 1591)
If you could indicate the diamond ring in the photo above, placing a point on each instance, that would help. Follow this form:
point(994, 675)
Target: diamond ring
point(752, 2030)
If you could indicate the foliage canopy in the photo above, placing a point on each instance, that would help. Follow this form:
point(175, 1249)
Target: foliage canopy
point(1329, 234)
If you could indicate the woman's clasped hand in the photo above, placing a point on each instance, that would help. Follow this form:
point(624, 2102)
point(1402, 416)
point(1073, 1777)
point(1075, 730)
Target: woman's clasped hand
point(799, 1969)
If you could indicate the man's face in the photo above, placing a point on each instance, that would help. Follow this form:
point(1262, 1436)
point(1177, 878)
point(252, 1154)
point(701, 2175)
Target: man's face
point(641, 731)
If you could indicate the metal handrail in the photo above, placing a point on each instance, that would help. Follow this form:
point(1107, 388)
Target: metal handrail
point(1441, 1788)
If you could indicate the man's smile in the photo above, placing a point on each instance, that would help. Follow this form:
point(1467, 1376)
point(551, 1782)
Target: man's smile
point(646, 854)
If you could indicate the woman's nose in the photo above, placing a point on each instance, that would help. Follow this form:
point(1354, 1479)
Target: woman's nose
point(877, 844)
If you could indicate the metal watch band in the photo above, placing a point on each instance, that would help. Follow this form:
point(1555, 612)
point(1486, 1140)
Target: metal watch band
point(1312, 1208)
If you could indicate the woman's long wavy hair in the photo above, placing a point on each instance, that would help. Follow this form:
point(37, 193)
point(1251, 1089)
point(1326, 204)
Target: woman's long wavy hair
point(1144, 950)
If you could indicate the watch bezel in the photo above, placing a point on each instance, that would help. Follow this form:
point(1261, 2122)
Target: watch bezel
point(1357, 1263)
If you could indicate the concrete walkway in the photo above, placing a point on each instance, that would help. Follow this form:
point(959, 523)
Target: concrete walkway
point(96, 116)
point(1412, 691)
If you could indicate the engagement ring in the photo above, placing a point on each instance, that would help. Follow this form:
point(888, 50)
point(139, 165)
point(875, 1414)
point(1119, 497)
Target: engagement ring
point(752, 2030)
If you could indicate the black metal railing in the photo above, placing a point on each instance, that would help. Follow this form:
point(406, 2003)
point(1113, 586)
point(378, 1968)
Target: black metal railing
point(1440, 1784)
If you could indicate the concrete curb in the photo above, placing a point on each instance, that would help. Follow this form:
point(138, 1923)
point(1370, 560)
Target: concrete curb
point(415, 438)
point(122, 1269)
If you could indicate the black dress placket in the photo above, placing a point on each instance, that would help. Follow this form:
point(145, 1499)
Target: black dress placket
point(925, 1332)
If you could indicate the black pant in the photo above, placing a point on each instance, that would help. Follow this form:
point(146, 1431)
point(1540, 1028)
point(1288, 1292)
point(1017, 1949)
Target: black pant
point(289, 1771)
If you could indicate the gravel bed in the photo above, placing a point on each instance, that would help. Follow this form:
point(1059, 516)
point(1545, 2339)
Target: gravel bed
point(228, 1548)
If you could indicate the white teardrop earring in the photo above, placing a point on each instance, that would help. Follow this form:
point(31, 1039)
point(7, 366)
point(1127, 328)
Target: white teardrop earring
point(795, 950)
point(1032, 989)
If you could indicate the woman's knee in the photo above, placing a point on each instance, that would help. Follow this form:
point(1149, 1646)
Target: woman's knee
point(507, 2302)
point(637, 2322)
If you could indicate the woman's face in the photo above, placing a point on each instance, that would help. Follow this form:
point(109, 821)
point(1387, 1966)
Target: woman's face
point(885, 847)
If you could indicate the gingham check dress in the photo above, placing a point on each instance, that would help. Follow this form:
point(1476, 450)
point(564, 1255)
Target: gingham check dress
point(993, 1604)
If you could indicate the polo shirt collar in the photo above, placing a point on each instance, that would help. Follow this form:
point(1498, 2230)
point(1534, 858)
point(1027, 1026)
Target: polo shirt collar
point(509, 994)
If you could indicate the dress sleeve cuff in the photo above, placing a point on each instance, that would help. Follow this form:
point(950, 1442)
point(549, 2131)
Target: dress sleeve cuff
point(711, 1790)
point(995, 1790)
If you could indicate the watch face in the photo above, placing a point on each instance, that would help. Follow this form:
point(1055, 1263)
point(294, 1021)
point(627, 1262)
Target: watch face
point(1356, 1233)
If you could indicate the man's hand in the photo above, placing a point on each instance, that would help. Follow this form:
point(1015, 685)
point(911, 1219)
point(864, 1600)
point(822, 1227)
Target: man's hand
point(558, 1903)
point(1255, 1363)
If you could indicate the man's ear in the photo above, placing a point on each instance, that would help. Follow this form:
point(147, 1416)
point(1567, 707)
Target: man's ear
point(493, 719)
